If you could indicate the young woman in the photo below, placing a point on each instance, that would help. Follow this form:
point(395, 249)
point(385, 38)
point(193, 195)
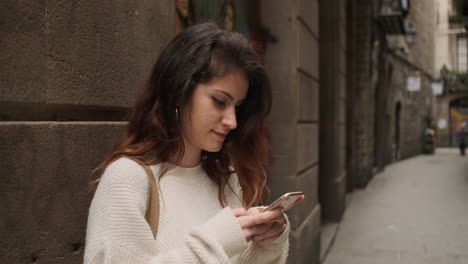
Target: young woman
point(199, 125)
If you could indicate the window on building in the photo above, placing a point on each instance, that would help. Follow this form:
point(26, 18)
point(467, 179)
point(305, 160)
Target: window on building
point(462, 54)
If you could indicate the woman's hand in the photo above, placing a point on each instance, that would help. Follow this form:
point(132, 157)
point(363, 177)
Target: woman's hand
point(260, 226)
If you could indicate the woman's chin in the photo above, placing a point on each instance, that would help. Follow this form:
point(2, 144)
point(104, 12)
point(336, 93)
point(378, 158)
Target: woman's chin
point(214, 148)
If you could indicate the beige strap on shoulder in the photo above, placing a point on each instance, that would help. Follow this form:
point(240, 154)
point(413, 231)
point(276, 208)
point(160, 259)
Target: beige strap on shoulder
point(152, 212)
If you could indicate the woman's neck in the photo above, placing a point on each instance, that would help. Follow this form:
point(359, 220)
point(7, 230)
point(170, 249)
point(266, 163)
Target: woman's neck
point(191, 158)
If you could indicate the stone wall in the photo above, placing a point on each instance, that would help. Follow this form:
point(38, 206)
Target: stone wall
point(415, 110)
point(417, 106)
point(45, 192)
point(333, 77)
point(293, 66)
point(361, 94)
point(67, 68)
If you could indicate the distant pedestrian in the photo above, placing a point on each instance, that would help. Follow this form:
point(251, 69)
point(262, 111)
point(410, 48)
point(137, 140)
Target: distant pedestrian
point(462, 138)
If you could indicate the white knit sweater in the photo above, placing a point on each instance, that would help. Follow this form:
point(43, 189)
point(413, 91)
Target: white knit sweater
point(193, 228)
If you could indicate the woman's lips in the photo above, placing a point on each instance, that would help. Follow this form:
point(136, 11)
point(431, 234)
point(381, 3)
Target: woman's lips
point(220, 135)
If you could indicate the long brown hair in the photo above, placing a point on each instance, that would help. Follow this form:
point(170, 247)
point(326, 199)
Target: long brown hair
point(197, 55)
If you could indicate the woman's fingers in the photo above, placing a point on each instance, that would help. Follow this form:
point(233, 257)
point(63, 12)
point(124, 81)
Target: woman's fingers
point(249, 233)
point(259, 218)
point(239, 212)
point(280, 220)
point(260, 229)
point(253, 222)
point(260, 226)
point(253, 211)
point(274, 232)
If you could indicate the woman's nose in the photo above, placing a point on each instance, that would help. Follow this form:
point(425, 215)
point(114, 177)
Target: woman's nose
point(229, 119)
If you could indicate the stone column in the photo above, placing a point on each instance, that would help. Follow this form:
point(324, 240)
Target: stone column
point(333, 76)
point(360, 94)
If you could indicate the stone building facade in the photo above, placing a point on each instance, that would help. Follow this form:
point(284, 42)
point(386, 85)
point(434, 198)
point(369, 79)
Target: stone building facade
point(387, 121)
point(416, 111)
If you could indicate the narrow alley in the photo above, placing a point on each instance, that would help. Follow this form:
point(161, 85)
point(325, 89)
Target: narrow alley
point(338, 99)
point(415, 211)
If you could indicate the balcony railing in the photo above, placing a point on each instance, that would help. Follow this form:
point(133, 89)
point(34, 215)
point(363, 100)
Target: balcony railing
point(455, 82)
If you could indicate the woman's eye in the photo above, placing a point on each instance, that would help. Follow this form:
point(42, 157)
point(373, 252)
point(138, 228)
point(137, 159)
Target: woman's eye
point(218, 102)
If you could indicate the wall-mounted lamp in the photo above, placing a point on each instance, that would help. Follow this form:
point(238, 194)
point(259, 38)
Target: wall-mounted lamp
point(410, 33)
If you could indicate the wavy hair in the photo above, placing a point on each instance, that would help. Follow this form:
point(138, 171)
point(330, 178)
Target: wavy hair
point(196, 56)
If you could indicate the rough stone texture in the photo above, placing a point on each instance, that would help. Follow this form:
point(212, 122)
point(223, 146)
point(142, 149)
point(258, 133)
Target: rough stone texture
point(415, 109)
point(332, 97)
point(45, 196)
point(65, 61)
point(23, 64)
point(416, 106)
point(81, 53)
point(360, 95)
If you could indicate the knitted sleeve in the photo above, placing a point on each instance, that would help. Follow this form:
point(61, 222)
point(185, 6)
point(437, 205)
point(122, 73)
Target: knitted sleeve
point(275, 251)
point(118, 232)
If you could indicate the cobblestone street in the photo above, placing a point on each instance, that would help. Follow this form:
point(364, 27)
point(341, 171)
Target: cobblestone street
point(415, 211)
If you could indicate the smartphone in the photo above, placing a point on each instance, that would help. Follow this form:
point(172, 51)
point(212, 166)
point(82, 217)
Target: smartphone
point(287, 201)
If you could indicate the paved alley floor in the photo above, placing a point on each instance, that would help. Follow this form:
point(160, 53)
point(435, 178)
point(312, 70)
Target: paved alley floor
point(415, 211)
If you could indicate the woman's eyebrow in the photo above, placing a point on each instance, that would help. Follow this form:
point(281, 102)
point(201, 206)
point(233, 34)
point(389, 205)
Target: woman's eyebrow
point(226, 93)
point(229, 95)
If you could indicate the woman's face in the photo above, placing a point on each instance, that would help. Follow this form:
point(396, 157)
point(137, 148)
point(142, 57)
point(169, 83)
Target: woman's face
point(211, 113)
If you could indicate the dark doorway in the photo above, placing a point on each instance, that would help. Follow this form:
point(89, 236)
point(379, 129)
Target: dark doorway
point(396, 138)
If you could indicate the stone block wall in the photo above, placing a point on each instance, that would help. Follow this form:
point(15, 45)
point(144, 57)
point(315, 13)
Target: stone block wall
point(67, 69)
point(45, 192)
point(83, 53)
point(293, 66)
point(415, 109)
point(417, 106)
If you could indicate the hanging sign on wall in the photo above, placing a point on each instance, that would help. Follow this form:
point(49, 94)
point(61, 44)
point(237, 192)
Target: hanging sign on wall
point(413, 83)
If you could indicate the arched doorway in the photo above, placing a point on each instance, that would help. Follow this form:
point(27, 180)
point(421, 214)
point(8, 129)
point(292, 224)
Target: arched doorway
point(396, 134)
